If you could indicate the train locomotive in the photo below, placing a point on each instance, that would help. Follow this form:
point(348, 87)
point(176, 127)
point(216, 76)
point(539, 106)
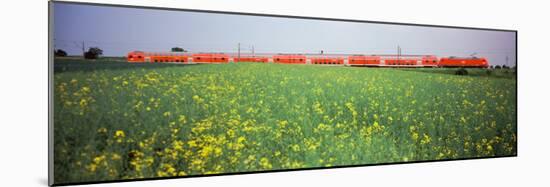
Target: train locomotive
point(316, 59)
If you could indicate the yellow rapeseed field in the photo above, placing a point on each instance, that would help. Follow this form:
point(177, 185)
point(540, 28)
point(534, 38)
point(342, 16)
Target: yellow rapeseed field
point(163, 121)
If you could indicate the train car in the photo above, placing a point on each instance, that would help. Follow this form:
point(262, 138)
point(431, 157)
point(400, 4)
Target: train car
point(327, 60)
point(167, 57)
point(470, 62)
point(401, 62)
point(142, 57)
point(250, 59)
point(210, 58)
point(136, 57)
point(289, 59)
point(429, 61)
point(364, 60)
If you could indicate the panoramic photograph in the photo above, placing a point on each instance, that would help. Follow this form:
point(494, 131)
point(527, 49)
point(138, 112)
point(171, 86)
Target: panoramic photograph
point(142, 93)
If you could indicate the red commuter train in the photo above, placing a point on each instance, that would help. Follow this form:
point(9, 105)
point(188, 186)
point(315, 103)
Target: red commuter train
point(332, 59)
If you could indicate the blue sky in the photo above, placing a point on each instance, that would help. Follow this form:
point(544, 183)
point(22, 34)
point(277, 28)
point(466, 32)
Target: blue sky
point(118, 30)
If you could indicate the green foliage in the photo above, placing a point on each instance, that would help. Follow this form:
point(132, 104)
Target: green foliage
point(178, 49)
point(60, 53)
point(93, 53)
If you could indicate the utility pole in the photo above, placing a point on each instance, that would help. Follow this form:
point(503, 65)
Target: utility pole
point(398, 53)
point(239, 52)
point(507, 60)
point(253, 54)
point(83, 49)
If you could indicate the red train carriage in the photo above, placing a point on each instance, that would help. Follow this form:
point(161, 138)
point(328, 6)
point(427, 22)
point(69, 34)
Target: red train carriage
point(210, 58)
point(472, 62)
point(251, 59)
point(166, 57)
point(364, 60)
point(429, 61)
point(141, 57)
point(136, 57)
point(289, 59)
point(327, 60)
point(401, 61)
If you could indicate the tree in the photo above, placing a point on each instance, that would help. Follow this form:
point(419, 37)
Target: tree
point(178, 49)
point(497, 67)
point(59, 52)
point(93, 53)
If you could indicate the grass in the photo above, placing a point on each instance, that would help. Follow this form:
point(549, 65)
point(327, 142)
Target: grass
point(157, 120)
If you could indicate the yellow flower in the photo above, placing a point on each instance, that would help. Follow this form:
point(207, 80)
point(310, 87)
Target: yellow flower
point(182, 119)
point(83, 103)
point(99, 159)
point(115, 156)
point(462, 119)
point(415, 136)
point(264, 162)
point(241, 139)
point(92, 167)
point(102, 130)
point(119, 134)
point(296, 147)
point(192, 143)
point(425, 139)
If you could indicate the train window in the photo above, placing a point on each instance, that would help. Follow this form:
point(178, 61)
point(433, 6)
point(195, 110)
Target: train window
point(276, 59)
point(156, 61)
point(223, 58)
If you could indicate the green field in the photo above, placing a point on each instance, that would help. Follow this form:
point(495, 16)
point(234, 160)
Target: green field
point(115, 120)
